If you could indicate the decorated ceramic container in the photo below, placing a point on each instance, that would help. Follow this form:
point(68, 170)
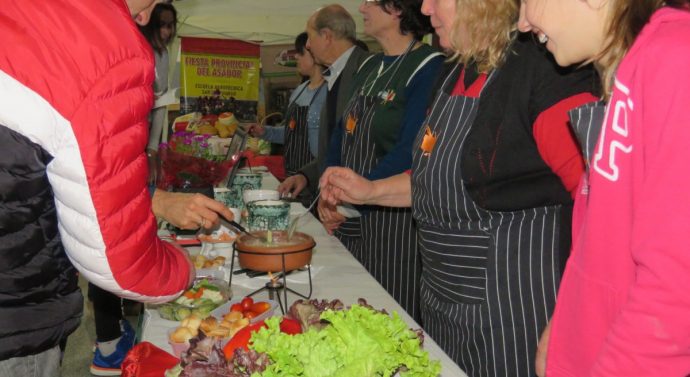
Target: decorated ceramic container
point(247, 181)
point(232, 196)
point(268, 215)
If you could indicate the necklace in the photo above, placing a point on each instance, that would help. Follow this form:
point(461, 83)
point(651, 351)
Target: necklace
point(369, 85)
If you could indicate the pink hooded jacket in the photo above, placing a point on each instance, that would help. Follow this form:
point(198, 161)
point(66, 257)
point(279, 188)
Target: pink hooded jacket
point(624, 304)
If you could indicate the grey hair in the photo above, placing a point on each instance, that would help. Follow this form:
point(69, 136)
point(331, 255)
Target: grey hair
point(337, 19)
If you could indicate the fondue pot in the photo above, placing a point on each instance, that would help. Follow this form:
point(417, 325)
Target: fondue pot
point(260, 251)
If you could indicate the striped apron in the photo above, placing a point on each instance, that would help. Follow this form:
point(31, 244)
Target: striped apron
point(388, 248)
point(297, 152)
point(587, 121)
point(489, 279)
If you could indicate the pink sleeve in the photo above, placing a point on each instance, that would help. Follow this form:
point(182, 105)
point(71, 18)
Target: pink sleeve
point(651, 334)
point(557, 144)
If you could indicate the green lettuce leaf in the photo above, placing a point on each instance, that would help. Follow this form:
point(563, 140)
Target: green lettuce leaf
point(359, 342)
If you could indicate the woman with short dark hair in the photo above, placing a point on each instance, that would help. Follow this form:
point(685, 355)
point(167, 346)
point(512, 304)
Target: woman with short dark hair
point(387, 108)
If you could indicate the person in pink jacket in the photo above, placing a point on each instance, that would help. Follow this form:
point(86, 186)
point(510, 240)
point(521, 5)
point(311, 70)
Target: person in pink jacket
point(623, 308)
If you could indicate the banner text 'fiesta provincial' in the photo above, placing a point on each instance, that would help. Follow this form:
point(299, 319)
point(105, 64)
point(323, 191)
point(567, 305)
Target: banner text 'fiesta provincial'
point(219, 75)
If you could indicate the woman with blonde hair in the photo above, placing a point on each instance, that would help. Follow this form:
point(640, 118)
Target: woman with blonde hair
point(493, 171)
point(623, 307)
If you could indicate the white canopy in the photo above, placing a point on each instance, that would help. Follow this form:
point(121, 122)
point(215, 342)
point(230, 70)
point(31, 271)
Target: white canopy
point(269, 22)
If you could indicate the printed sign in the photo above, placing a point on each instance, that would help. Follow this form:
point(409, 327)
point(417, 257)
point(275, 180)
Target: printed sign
point(219, 75)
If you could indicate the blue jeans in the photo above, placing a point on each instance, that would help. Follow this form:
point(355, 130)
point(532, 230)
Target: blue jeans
point(44, 364)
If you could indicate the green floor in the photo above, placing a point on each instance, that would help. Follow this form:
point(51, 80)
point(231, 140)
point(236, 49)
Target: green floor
point(78, 354)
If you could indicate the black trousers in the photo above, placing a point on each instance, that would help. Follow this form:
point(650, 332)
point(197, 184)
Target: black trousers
point(107, 313)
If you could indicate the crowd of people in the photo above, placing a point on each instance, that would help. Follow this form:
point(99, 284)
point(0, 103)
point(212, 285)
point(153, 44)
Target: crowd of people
point(519, 189)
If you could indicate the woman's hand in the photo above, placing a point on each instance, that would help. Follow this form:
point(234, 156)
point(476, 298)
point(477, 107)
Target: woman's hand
point(329, 216)
point(292, 186)
point(344, 185)
point(189, 211)
point(256, 130)
point(542, 348)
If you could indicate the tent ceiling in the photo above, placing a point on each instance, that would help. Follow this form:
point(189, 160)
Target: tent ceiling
point(268, 21)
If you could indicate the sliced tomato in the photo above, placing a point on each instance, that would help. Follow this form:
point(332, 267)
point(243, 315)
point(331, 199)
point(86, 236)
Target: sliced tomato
point(241, 339)
point(236, 308)
point(290, 326)
point(260, 307)
point(247, 303)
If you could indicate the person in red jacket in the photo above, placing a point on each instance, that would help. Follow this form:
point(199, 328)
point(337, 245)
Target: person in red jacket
point(75, 84)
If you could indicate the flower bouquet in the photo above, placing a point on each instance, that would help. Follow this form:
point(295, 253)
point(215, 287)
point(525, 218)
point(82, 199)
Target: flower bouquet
point(187, 163)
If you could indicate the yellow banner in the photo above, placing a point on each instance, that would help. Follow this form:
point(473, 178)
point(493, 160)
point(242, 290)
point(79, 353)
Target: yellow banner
point(219, 75)
point(233, 76)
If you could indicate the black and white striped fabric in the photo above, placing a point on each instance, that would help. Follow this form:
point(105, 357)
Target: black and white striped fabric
point(489, 279)
point(297, 152)
point(388, 248)
point(586, 122)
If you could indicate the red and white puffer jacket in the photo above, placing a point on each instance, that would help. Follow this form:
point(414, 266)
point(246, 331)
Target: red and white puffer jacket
point(76, 79)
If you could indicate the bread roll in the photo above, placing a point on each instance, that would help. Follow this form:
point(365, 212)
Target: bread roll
point(225, 324)
point(193, 322)
point(219, 332)
point(208, 324)
point(232, 316)
point(240, 323)
point(199, 261)
point(181, 335)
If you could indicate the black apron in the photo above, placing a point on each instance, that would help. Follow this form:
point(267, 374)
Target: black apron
point(297, 153)
point(489, 278)
point(384, 239)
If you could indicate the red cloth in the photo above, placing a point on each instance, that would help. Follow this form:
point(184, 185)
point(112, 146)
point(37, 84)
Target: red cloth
point(556, 143)
point(147, 360)
point(275, 164)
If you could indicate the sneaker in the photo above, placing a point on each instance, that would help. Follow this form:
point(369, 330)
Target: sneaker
point(110, 365)
point(127, 332)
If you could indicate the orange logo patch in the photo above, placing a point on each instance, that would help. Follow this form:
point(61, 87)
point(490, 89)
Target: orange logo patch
point(351, 124)
point(428, 142)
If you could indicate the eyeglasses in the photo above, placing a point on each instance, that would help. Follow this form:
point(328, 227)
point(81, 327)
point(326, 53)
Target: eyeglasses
point(370, 2)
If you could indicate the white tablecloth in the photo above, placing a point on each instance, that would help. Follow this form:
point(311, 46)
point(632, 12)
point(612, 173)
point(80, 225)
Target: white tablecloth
point(335, 274)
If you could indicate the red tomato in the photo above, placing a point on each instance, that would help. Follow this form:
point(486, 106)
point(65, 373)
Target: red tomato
point(249, 314)
point(247, 303)
point(290, 326)
point(241, 339)
point(236, 308)
point(260, 307)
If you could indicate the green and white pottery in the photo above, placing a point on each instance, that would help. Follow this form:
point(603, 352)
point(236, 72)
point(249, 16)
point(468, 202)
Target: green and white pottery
point(268, 215)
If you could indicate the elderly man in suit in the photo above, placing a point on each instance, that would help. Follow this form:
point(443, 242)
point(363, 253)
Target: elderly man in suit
point(331, 31)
